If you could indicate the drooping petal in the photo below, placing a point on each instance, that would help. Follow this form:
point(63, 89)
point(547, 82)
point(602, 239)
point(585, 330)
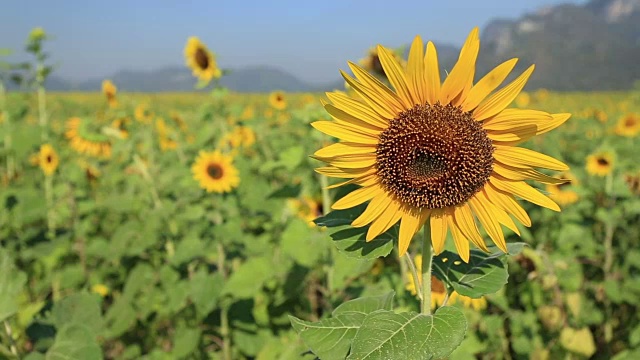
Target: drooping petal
point(386, 220)
point(506, 202)
point(376, 206)
point(357, 197)
point(396, 75)
point(432, 74)
point(415, 71)
point(501, 99)
point(462, 244)
point(463, 219)
point(462, 70)
point(366, 180)
point(517, 174)
point(438, 222)
point(525, 191)
point(510, 118)
point(501, 216)
point(525, 158)
point(487, 84)
point(488, 220)
point(410, 223)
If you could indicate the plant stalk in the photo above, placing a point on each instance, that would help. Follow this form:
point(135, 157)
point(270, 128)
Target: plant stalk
point(427, 257)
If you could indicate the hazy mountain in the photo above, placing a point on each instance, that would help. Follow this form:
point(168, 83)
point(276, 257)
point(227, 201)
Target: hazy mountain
point(595, 46)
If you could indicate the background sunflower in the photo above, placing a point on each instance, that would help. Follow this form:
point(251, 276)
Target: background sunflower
point(201, 61)
point(215, 172)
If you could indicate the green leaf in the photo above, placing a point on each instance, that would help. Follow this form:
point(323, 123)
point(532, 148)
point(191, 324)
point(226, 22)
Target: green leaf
point(185, 342)
point(79, 308)
point(249, 278)
point(302, 243)
point(11, 283)
point(329, 338)
point(387, 335)
point(485, 273)
point(205, 291)
point(75, 341)
point(366, 305)
point(292, 157)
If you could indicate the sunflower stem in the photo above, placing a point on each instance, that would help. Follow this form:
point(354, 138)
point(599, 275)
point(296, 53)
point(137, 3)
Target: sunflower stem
point(326, 206)
point(427, 257)
point(42, 106)
point(224, 310)
point(48, 193)
point(414, 273)
point(4, 115)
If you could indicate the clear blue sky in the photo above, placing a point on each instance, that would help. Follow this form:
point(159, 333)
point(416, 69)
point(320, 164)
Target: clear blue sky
point(310, 39)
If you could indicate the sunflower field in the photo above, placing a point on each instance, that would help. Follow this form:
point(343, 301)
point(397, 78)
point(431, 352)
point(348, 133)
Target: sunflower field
point(219, 225)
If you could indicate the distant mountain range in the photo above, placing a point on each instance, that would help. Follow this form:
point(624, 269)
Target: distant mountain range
point(595, 46)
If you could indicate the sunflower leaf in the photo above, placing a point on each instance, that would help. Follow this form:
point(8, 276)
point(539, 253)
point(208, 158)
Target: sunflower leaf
point(409, 335)
point(485, 273)
point(11, 284)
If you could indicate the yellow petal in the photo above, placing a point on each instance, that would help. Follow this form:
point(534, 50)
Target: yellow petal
point(462, 244)
point(514, 130)
point(517, 174)
point(500, 100)
point(346, 133)
point(411, 222)
point(432, 74)
point(344, 148)
point(386, 220)
point(396, 75)
point(525, 191)
point(377, 102)
point(510, 118)
point(366, 180)
point(357, 109)
point(512, 136)
point(462, 70)
point(415, 71)
point(488, 220)
point(525, 158)
point(381, 90)
point(332, 171)
point(463, 218)
point(351, 161)
point(487, 84)
point(357, 197)
point(506, 202)
point(344, 117)
point(438, 222)
point(376, 207)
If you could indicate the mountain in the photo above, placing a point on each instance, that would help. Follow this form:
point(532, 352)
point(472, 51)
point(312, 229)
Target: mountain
point(595, 46)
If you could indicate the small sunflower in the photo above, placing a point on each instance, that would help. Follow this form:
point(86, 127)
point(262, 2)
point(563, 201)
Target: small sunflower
point(248, 113)
point(48, 159)
point(628, 125)
point(308, 208)
point(143, 114)
point(165, 136)
point(600, 164)
point(179, 121)
point(109, 90)
point(633, 182)
point(215, 172)
point(277, 100)
point(85, 141)
point(122, 125)
point(440, 152)
point(439, 291)
point(201, 61)
point(563, 193)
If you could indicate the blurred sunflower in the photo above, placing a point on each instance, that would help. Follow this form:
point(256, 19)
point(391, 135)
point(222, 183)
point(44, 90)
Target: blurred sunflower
point(201, 61)
point(307, 208)
point(600, 163)
point(600, 115)
point(633, 182)
point(165, 136)
point(109, 90)
point(523, 99)
point(439, 291)
point(122, 125)
point(143, 114)
point(437, 152)
point(372, 62)
point(628, 125)
point(48, 159)
point(91, 172)
point(277, 100)
point(215, 172)
point(179, 121)
point(563, 193)
point(248, 113)
point(85, 141)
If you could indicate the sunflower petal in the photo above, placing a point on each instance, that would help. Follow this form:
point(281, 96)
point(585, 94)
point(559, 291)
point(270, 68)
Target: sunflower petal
point(386, 220)
point(367, 180)
point(509, 118)
point(374, 85)
point(351, 161)
point(411, 222)
point(488, 220)
point(343, 132)
point(524, 158)
point(415, 71)
point(525, 191)
point(357, 197)
point(332, 171)
point(462, 70)
point(500, 100)
point(344, 117)
point(487, 84)
point(462, 244)
point(396, 75)
point(376, 206)
point(432, 74)
point(463, 219)
point(506, 202)
point(344, 148)
point(438, 222)
point(517, 174)
point(378, 103)
point(357, 109)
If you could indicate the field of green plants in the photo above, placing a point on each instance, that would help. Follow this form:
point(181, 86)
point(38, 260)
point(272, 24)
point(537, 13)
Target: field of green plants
point(114, 245)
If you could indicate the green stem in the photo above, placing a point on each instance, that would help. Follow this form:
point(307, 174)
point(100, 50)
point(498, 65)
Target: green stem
point(48, 193)
point(224, 310)
point(4, 114)
point(12, 345)
point(416, 278)
point(42, 107)
point(427, 256)
point(326, 207)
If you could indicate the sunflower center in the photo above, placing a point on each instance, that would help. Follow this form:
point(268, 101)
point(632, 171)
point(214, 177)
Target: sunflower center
point(201, 58)
point(630, 122)
point(434, 156)
point(49, 159)
point(602, 162)
point(215, 171)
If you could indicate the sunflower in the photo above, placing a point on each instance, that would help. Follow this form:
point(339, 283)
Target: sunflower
point(600, 164)
point(201, 60)
point(143, 114)
point(277, 100)
point(165, 136)
point(109, 90)
point(308, 208)
point(215, 172)
point(437, 152)
point(87, 142)
point(248, 113)
point(121, 124)
point(628, 125)
point(48, 159)
point(633, 182)
point(562, 193)
point(179, 121)
point(439, 291)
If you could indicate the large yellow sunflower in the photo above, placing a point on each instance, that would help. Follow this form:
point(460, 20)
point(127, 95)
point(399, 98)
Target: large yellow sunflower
point(628, 125)
point(109, 90)
point(439, 152)
point(201, 61)
point(215, 172)
point(48, 159)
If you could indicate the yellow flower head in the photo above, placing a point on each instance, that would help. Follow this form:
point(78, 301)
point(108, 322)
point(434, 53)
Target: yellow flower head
point(86, 142)
point(628, 125)
point(143, 114)
point(215, 172)
point(600, 164)
point(308, 208)
point(109, 90)
point(201, 60)
point(439, 151)
point(48, 159)
point(277, 100)
point(562, 193)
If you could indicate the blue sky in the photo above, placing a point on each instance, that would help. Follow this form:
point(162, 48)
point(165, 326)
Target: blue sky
point(311, 40)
